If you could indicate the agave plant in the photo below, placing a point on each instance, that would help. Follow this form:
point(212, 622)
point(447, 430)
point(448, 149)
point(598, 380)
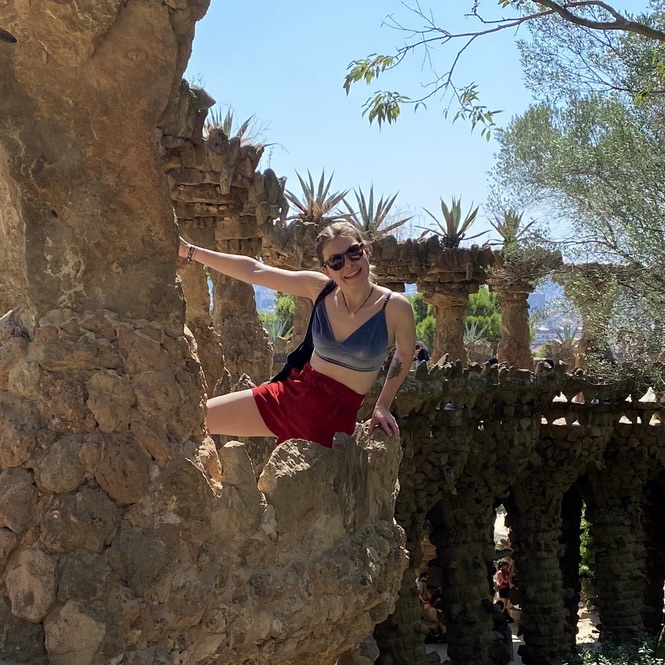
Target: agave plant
point(567, 334)
point(371, 221)
point(473, 333)
point(227, 123)
point(317, 204)
point(453, 229)
point(276, 327)
point(509, 226)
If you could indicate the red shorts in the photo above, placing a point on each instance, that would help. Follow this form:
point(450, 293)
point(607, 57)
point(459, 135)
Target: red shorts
point(308, 405)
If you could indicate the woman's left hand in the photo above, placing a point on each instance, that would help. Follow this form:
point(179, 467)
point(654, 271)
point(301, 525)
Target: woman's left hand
point(381, 417)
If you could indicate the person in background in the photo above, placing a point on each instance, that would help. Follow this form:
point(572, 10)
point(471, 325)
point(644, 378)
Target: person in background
point(421, 353)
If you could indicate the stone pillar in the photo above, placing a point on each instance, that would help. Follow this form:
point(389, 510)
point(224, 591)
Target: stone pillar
point(198, 315)
point(537, 528)
point(13, 276)
point(449, 311)
point(571, 517)
point(563, 453)
point(247, 349)
point(654, 527)
point(303, 310)
point(515, 344)
point(436, 446)
point(462, 529)
point(616, 515)
point(592, 290)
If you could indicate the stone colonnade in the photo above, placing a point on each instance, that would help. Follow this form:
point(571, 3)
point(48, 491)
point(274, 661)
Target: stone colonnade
point(514, 444)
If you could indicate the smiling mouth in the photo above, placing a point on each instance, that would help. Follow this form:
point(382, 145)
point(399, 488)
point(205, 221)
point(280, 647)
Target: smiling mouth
point(353, 274)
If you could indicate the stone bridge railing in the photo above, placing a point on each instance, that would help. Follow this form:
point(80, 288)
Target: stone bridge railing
point(474, 438)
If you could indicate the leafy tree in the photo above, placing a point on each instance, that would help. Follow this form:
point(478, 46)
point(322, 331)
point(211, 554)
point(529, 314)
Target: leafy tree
point(601, 163)
point(425, 322)
point(592, 152)
point(484, 315)
point(594, 17)
point(425, 331)
point(285, 308)
point(420, 308)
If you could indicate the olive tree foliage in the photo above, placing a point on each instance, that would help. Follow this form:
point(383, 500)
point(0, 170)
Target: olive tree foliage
point(428, 35)
point(592, 152)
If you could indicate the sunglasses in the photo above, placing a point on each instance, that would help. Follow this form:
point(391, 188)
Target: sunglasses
point(336, 261)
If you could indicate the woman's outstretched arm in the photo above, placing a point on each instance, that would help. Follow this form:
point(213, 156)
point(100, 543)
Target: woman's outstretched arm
point(305, 283)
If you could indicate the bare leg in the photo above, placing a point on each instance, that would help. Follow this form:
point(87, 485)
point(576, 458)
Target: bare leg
point(235, 414)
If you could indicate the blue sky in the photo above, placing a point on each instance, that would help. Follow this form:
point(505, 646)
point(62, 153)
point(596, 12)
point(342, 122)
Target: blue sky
point(284, 63)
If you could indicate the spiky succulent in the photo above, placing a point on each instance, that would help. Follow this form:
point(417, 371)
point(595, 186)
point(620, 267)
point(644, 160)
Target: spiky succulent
point(371, 221)
point(453, 228)
point(316, 204)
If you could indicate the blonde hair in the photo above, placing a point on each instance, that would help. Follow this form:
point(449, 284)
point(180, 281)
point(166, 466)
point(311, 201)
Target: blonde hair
point(336, 230)
point(344, 230)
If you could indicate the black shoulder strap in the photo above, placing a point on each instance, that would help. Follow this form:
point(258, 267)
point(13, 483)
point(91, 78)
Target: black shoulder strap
point(385, 302)
point(328, 288)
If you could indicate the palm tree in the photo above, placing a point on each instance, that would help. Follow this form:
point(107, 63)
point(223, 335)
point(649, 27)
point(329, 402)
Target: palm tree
point(453, 229)
point(317, 205)
point(370, 221)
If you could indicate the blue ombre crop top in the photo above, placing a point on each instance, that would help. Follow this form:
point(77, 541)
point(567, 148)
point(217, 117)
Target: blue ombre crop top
point(364, 350)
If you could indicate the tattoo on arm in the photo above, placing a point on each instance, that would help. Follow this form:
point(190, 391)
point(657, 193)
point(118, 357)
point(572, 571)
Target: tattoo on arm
point(395, 368)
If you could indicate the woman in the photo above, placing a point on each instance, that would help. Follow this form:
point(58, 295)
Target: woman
point(353, 328)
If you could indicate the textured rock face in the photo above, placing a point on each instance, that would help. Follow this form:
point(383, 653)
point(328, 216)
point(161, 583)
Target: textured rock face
point(83, 89)
point(122, 535)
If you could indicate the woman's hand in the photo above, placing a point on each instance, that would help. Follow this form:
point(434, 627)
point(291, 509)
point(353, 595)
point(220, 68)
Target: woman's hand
point(183, 249)
point(381, 417)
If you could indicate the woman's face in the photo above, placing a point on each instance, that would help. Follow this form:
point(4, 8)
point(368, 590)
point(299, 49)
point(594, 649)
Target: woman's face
point(350, 256)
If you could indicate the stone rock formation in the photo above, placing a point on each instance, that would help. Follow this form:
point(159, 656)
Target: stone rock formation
point(124, 536)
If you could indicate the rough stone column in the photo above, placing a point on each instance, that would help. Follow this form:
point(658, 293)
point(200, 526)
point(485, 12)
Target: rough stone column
point(13, 276)
point(537, 532)
point(514, 346)
point(449, 311)
point(247, 349)
point(436, 444)
point(654, 528)
point(69, 94)
point(563, 454)
point(462, 532)
point(198, 316)
point(592, 289)
point(615, 515)
point(463, 524)
point(303, 310)
point(571, 519)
